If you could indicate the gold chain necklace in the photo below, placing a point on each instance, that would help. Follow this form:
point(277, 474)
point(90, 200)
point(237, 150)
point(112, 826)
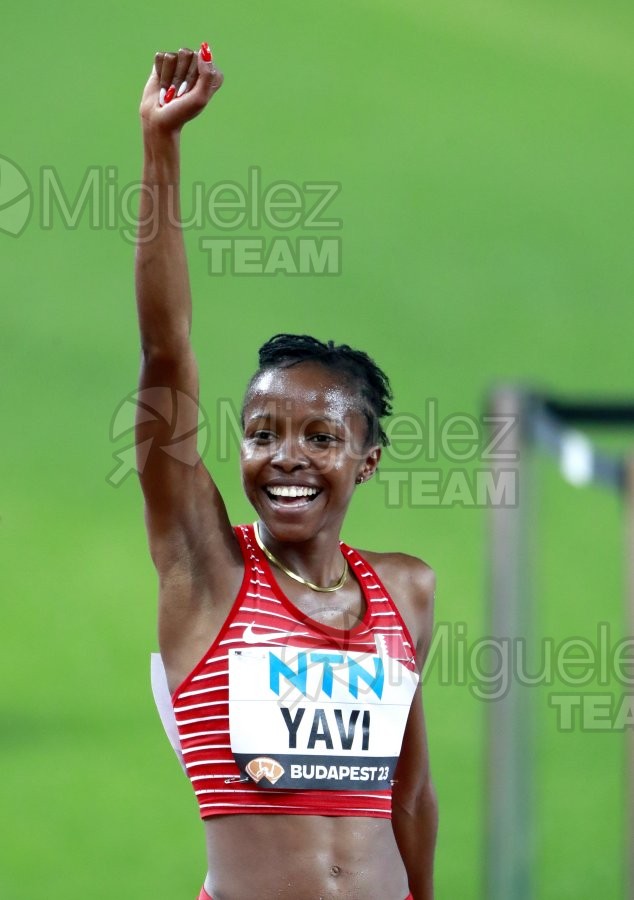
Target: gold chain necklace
point(280, 565)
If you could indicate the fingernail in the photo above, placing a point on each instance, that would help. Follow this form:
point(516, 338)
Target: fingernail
point(162, 96)
point(169, 96)
point(205, 52)
point(182, 89)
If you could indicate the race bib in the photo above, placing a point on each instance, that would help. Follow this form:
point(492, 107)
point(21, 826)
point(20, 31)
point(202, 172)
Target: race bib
point(317, 719)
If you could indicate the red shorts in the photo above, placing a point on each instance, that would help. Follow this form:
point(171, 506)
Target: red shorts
point(205, 896)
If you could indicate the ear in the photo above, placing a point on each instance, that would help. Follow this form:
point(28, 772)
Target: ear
point(369, 465)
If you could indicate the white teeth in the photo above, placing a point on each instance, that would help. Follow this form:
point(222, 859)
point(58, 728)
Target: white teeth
point(292, 491)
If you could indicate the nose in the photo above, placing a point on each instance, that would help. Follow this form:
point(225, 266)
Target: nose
point(289, 456)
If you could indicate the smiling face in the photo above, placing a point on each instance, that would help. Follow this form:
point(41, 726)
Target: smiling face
point(305, 444)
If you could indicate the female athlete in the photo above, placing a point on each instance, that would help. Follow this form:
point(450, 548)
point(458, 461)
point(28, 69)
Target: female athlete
point(293, 660)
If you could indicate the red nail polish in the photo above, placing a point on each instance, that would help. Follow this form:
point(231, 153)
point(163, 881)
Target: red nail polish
point(170, 94)
point(205, 52)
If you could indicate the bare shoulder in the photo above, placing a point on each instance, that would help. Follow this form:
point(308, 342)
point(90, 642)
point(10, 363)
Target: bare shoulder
point(411, 583)
point(409, 575)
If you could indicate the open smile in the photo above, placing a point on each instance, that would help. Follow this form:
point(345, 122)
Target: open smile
point(291, 496)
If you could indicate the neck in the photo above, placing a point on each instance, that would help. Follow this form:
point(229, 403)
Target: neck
point(318, 560)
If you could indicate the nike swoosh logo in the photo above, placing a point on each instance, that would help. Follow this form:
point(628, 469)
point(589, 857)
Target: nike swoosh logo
point(249, 636)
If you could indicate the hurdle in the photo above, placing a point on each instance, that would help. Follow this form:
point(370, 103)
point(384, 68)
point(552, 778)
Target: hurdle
point(523, 421)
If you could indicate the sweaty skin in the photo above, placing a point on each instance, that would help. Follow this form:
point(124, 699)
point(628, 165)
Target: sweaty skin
point(301, 425)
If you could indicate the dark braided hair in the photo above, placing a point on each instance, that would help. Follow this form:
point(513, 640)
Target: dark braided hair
point(285, 350)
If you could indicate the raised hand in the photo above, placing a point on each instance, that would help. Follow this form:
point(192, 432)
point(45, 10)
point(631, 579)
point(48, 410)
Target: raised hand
point(179, 87)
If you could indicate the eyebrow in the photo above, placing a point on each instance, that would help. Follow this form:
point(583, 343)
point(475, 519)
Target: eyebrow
point(267, 416)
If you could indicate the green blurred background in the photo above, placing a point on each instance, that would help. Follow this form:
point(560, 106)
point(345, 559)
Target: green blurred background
point(484, 155)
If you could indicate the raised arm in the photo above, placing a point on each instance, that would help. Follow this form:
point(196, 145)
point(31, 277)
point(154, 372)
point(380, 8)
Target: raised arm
point(188, 528)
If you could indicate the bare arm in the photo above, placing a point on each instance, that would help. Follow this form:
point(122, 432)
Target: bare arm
point(191, 541)
point(414, 805)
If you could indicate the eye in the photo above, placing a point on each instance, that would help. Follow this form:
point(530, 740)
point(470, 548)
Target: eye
point(262, 436)
point(322, 439)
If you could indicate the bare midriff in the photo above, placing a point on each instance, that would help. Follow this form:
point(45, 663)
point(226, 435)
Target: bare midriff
point(277, 857)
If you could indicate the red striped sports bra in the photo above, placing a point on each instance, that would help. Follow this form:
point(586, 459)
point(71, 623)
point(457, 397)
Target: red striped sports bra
point(286, 715)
